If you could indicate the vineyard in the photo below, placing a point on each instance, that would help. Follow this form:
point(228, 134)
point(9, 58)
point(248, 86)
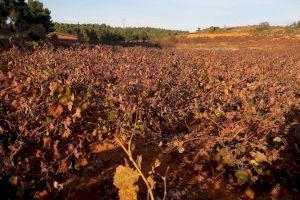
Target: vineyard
point(199, 124)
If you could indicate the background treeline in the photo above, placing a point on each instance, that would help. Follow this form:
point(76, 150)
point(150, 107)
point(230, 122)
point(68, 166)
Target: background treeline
point(103, 33)
point(31, 19)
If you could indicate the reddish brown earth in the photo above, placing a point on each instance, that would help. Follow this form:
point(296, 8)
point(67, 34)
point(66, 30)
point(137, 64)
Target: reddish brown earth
point(225, 122)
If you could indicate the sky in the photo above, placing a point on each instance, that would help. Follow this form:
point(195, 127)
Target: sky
point(175, 14)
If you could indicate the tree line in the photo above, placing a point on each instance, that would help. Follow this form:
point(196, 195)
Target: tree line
point(103, 33)
point(33, 20)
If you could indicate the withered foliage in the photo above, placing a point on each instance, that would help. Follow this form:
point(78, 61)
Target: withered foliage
point(228, 120)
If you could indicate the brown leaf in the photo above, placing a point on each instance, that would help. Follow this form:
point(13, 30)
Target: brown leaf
point(78, 113)
point(66, 133)
point(55, 149)
point(250, 193)
point(46, 142)
point(217, 185)
point(17, 88)
point(157, 163)
point(259, 157)
point(40, 195)
point(13, 180)
point(70, 105)
point(83, 162)
point(55, 87)
point(56, 111)
point(67, 122)
point(63, 168)
point(151, 182)
point(38, 154)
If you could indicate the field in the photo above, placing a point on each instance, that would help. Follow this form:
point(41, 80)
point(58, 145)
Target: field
point(217, 119)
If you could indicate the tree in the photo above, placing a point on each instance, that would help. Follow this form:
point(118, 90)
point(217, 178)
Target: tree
point(144, 36)
point(296, 24)
point(92, 36)
point(30, 17)
point(40, 15)
point(4, 11)
point(213, 28)
point(264, 24)
point(19, 14)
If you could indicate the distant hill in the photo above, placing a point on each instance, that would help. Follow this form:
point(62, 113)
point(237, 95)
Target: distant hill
point(263, 29)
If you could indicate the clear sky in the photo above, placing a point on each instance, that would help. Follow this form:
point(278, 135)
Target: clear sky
point(175, 14)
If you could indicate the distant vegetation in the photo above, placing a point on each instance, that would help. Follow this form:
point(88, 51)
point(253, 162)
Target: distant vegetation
point(263, 28)
point(29, 19)
point(105, 34)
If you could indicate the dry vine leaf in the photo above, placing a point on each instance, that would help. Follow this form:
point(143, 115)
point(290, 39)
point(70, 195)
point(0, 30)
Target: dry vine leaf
point(63, 168)
point(250, 193)
point(84, 162)
point(13, 180)
point(53, 86)
point(242, 176)
point(259, 157)
point(78, 113)
point(55, 149)
point(151, 182)
point(277, 139)
point(125, 179)
point(157, 163)
point(66, 133)
point(56, 111)
point(46, 142)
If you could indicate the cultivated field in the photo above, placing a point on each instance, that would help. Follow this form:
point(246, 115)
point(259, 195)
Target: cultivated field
point(209, 122)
